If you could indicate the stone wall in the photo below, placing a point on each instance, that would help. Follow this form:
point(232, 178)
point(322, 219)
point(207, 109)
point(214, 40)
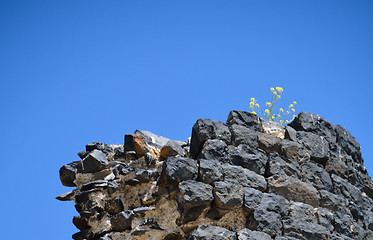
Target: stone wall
point(246, 179)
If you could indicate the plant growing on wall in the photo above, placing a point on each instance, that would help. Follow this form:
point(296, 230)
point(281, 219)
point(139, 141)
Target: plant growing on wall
point(272, 112)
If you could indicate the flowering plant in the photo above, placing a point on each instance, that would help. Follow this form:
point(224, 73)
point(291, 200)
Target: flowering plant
point(271, 112)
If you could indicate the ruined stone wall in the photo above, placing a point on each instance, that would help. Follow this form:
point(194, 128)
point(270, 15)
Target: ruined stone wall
point(243, 179)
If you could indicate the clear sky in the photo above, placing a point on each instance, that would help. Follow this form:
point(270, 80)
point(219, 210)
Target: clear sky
point(74, 72)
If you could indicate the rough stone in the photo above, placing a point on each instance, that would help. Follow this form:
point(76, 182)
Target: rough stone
point(94, 162)
point(246, 234)
point(175, 170)
point(114, 206)
point(317, 176)
point(317, 146)
point(348, 143)
point(309, 230)
point(294, 151)
point(252, 199)
point(143, 142)
point(294, 189)
point(269, 143)
point(290, 133)
point(172, 149)
point(227, 195)
point(245, 119)
point(274, 203)
point(302, 212)
point(266, 221)
point(341, 186)
point(122, 221)
point(310, 122)
point(215, 149)
point(254, 160)
point(193, 198)
point(282, 167)
point(206, 232)
point(67, 174)
point(332, 201)
point(273, 128)
point(205, 129)
point(244, 177)
point(210, 171)
point(244, 135)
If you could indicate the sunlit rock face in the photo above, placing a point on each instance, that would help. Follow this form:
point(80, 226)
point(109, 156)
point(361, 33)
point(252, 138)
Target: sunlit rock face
point(243, 179)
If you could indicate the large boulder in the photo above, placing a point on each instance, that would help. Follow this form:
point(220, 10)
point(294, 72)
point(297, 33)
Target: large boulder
point(205, 129)
point(193, 197)
point(246, 119)
point(178, 169)
point(207, 232)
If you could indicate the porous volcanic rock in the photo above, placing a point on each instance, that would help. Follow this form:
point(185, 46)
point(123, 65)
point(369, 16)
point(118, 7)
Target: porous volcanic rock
point(243, 179)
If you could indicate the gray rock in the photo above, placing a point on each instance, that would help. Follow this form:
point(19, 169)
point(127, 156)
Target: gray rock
point(246, 234)
point(215, 149)
point(285, 238)
point(332, 201)
point(122, 221)
point(293, 189)
point(205, 129)
point(342, 186)
point(105, 148)
point(318, 147)
point(94, 162)
point(290, 133)
point(252, 159)
point(252, 199)
point(98, 185)
point(317, 176)
point(348, 143)
point(274, 203)
point(302, 212)
point(245, 119)
point(227, 195)
point(265, 221)
point(310, 122)
point(210, 171)
point(68, 174)
point(244, 177)
point(325, 218)
point(207, 232)
point(172, 149)
point(178, 169)
point(282, 166)
point(244, 135)
point(342, 223)
point(294, 151)
point(193, 197)
point(309, 230)
point(269, 143)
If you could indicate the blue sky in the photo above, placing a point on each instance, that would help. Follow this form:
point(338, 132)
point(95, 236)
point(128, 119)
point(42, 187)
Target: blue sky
point(74, 72)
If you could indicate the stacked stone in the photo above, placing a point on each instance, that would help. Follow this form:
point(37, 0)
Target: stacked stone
point(246, 179)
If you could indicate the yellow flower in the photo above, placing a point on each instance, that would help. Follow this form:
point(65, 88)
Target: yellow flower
point(272, 89)
point(282, 121)
point(287, 112)
point(291, 105)
point(278, 96)
point(257, 105)
point(279, 89)
point(295, 102)
point(293, 109)
point(279, 115)
point(273, 117)
point(268, 103)
point(286, 121)
point(281, 110)
point(266, 111)
point(251, 103)
point(252, 99)
point(275, 93)
point(251, 106)
point(254, 112)
point(294, 116)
